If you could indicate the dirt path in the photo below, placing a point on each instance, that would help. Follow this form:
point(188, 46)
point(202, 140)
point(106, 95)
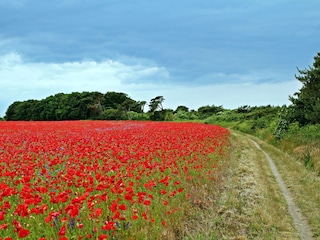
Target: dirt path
point(300, 222)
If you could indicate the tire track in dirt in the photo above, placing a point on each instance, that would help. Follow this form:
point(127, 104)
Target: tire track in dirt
point(299, 220)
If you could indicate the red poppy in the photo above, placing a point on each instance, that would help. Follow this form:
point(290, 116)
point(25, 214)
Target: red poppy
point(122, 207)
point(97, 212)
point(103, 237)
point(147, 202)
point(23, 233)
point(63, 231)
point(109, 226)
point(3, 226)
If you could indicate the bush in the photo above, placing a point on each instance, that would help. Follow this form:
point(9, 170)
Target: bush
point(281, 129)
point(184, 116)
point(139, 116)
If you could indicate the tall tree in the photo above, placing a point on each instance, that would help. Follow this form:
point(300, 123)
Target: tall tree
point(306, 102)
point(141, 105)
point(156, 104)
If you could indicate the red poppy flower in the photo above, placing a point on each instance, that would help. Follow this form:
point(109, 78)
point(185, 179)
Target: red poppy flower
point(109, 226)
point(147, 202)
point(23, 233)
point(4, 226)
point(63, 231)
point(97, 212)
point(103, 237)
point(122, 207)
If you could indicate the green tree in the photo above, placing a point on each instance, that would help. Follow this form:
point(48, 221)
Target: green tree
point(306, 102)
point(162, 115)
point(207, 111)
point(156, 104)
point(12, 113)
point(114, 99)
point(181, 108)
point(140, 105)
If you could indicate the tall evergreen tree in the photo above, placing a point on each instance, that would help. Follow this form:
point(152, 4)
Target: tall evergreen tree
point(306, 103)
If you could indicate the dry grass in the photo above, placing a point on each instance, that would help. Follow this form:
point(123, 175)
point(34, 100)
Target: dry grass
point(309, 155)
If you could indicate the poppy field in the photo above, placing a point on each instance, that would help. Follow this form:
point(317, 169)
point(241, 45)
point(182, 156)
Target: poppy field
point(103, 179)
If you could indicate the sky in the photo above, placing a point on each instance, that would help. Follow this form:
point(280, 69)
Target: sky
point(193, 53)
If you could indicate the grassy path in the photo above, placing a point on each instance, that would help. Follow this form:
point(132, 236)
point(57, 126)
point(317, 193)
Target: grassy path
point(269, 195)
point(303, 184)
point(300, 222)
point(255, 204)
point(249, 204)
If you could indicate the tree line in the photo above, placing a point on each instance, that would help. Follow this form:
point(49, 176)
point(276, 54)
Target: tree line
point(99, 106)
point(75, 106)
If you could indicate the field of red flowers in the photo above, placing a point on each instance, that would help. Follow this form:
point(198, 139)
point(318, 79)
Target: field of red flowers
point(101, 179)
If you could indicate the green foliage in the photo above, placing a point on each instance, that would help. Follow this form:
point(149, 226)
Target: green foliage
point(74, 106)
point(304, 143)
point(156, 104)
point(281, 128)
point(112, 114)
point(272, 125)
point(169, 116)
point(303, 135)
point(306, 103)
point(162, 115)
point(244, 109)
point(139, 116)
point(181, 115)
point(252, 120)
point(116, 100)
point(181, 109)
point(207, 111)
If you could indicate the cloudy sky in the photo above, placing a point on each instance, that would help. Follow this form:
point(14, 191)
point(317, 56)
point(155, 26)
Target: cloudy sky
point(194, 53)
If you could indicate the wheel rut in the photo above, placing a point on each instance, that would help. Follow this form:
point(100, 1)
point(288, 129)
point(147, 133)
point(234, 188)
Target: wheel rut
point(300, 222)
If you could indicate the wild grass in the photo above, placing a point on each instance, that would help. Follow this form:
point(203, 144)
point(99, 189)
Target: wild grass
point(303, 184)
point(303, 143)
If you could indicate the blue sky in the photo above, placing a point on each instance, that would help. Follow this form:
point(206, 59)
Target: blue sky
point(194, 53)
